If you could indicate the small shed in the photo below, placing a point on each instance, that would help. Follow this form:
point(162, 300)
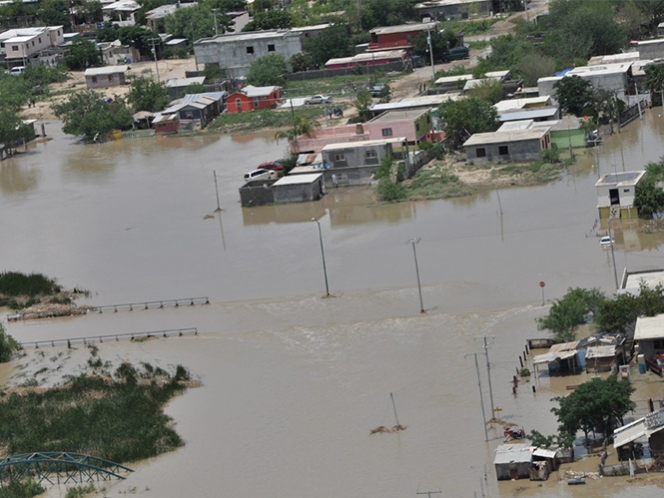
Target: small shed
point(101, 77)
point(616, 193)
point(257, 193)
point(165, 124)
point(601, 358)
point(177, 43)
point(560, 359)
point(299, 188)
point(513, 461)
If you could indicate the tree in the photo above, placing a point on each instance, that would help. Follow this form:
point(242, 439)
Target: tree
point(147, 95)
point(655, 82)
point(534, 66)
point(489, 90)
point(13, 130)
point(55, 13)
point(375, 13)
point(301, 126)
point(195, 22)
point(268, 70)
point(271, 19)
point(441, 42)
point(363, 105)
point(607, 105)
point(85, 113)
point(135, 36)
point(301, 62)
point(330, 43)
point(465, 117)
point(597, 405)
point(575, 95)
point(569, 312)
point(81, 54)
point(8, 345)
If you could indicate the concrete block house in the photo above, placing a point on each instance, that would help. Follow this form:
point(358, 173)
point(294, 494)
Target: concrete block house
point(252, 98)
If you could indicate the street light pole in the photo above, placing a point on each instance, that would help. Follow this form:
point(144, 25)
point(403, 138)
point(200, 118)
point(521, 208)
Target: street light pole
point(414, 241)
point(322, 253)
point(152, 42)
point(613, 256)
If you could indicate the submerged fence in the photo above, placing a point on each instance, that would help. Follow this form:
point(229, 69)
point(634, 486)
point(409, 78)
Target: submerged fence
point(130, 336)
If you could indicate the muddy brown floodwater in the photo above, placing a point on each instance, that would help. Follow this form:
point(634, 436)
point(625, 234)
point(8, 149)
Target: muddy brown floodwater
point(292, 383)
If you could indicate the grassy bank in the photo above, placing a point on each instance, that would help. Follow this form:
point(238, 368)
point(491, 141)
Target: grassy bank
point(435, 183)
point(118, 417)
point(333, 86)
point(230, 122)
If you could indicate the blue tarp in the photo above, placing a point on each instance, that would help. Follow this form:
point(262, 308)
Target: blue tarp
point(564, 72)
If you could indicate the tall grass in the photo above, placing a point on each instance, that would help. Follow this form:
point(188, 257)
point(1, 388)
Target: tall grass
point(120, 419)
point(19, 284)
point(21, 489)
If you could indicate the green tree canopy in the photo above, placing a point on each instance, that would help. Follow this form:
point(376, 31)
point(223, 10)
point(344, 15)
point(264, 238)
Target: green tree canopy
point(330, 43)
point(135, 36)
point(575, 95)
point(465, 117)
point(8, 345)
point(268, 70)
point(568, 313)
point(441, 41)
point(489, 90)
point(55, 13)
point(649, 197)
point(363, 104)
point(195, 22)
point(598, 405)
point(85, 113)
point(655, 81)
point(270, 19)
point(81, 54)
point(374, 13)
point(147, 95)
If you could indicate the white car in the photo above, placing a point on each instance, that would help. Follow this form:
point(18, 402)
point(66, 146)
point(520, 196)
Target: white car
point(260, 174)
point(606, 241)
point(317, 99)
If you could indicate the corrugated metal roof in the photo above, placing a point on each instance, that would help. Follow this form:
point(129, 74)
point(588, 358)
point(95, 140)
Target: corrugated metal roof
point(545, 453)
point(405, 28)
point(514, 453)
point(216, 96)
point(649, 327)
point(297, 179)
point(600, 352)
point(532, 113)
point(506, 136)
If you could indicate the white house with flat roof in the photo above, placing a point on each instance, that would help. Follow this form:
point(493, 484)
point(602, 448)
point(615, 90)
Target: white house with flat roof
point(521, 144)
point(615, 194)
point(21, 45)
point(649, 333)
point(614, 77)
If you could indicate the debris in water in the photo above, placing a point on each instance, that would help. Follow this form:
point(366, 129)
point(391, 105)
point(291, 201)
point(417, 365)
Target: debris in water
point(380, 429)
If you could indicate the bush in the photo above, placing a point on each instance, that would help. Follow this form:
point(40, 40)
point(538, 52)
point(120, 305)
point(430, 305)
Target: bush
point(390, 191)
point(552, 155)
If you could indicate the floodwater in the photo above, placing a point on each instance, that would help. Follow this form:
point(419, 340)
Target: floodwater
point(293, 383)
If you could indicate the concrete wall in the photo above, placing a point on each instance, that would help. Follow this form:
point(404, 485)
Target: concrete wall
point(233, 54)
point(626, 195)
point(526, 150)
point(353, 156)
point(298, 192)
point(104, 80)
point(648, 51)
point(257, 193)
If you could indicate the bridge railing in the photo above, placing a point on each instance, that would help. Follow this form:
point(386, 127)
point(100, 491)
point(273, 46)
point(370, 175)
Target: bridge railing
point(129, 336)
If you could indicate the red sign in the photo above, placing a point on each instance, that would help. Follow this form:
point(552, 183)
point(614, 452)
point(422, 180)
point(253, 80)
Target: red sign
point(542, 284)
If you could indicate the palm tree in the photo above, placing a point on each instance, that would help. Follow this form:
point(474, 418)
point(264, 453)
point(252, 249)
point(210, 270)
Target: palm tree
point(301, 126)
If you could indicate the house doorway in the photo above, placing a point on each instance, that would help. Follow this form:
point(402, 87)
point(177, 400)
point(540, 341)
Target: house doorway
point(614, 195)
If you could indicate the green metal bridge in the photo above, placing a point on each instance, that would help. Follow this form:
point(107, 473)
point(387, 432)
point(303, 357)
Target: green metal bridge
point(52, 467)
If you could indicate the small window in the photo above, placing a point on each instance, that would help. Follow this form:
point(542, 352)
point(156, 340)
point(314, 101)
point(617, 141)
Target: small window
point(626, 190)
point(255, 102)
point(14, 48)
point(428, 119)
point(387, 132)
point(408, 38)
point(340, 157)
point(417, 126)
point(33, 43)
point(658, 344)
point(370, 154)
point(480, 152)
point(94, 79)
point(250, 50)
point(503, 150)
point(270, 48)
point(39, 39)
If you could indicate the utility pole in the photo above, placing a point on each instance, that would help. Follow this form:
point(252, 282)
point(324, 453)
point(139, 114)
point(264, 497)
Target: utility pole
point(153, 42)
point(216, 188)
point(485, 346)
point(479, 384)
point(322, 253)
point(428, 493)
point(414, 241)
point(433, 68)
point(613, 256)
point(214, 13)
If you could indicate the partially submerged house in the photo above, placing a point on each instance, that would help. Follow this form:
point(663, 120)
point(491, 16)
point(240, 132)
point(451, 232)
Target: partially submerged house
point(101, 77)
point(561, 359)
point(649, 428)
point(289, 189)
point(195, 111)
point(354, 163)
point(511, 145)
point(166, 124)
point(513, 461)
point(616, 193)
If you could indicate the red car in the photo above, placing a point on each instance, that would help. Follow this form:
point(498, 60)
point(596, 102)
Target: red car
point(656, 364)
point(271, 165)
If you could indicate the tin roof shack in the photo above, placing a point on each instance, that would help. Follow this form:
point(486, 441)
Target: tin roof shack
point(177, 86)
point(398, 37)
point(257, 193)
point(251, 98)
point(298, 188)
point(453, 9)
point(236, 51)
point(561, 359)
point(353, 163)
point(165, 124)
point(533, 113)
point(101, 77)
point(196, 113)
point(615, 194)
point(416, 125)
point(513, 145)
point(513, 461)
point(545, 461)
point(601, 359)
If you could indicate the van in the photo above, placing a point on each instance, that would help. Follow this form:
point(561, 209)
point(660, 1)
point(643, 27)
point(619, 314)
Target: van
point(456, 54)
point(17, 70)
point(259, 174)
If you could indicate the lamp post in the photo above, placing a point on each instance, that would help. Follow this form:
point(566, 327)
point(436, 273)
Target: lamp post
point(613, 256)
point(322, 253)
point(414, 241)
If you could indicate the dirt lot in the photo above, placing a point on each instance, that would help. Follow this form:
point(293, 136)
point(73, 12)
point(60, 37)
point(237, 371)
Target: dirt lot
point(170, 68)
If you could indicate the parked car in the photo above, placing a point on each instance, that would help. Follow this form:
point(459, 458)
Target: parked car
point(317, 99)
point(456, 54)
point(259, 174)
point(605, 241)
point(656, 364)
point(17, 70)
point(271, 166)
point(376, 89)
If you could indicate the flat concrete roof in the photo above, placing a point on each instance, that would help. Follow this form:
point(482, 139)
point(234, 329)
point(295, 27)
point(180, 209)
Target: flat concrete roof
point(96, 71)
point(649, 327)
point(627, 179)
point(363, 143)
point(650, 279)
point(297, 179)
point(559, 124)
point(506, 105)
point(404, 28)
point(499, 137)
point(425, 101)
point(252, 35)
point(399, 114)
point(528, 113)
point(600, 70)
point(516, 125)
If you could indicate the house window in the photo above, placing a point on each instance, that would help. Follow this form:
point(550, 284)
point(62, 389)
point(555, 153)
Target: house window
point(110, 77)
point(14, 48)
point(370, 154)
point(417, 126)
point(503, 150)
point(658, 344)
point(339, 157)
point(428, 119)
point(387, 132)
point(626, 190)
point(94, 79)
point(270, 48)
point(33, 43)
point(250, 50)
point(39, 40)
point(480, 152)
point(255, 102)
point(408, 38)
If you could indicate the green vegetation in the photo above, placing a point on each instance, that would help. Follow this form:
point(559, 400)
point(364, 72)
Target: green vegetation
point(268, 70)
point(575, 95)
point(435, 183)
point(230, 122)
point(119, 418)
point(85, 113)
point(441, 42)
point(21, 489)
point(649, 197)
point(568, 313)
point(80, 491)
point(597, 406)
point(462, 118)
point(148, 95)
point(655, 82)
point(524, 372)
point(330, 43)
point(334, 86)
point(81, 54)
point(270, 19)
point(8, 346)
point(16, 284)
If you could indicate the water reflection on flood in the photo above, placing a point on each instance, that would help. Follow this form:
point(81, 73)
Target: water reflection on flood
point(292, 384)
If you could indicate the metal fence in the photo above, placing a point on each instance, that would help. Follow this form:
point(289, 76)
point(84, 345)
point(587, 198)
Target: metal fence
point(130, 336)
